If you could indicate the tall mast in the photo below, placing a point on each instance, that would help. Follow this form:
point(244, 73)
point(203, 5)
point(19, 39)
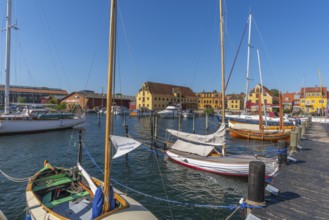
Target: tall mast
point(248, 65)
point(262, 88)
point(222, 64)
point(7, 61)
point(107, 159)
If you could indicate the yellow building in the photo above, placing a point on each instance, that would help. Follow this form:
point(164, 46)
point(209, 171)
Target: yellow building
point(210, 100)
point(313, 99)
point(267, 96)
point(235, 102)
point(156, 96)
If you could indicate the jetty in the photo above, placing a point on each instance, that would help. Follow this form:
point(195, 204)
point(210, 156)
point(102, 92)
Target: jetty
point(304, 184)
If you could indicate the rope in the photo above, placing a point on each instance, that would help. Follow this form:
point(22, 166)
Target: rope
point(231, 207)
point(17, 180)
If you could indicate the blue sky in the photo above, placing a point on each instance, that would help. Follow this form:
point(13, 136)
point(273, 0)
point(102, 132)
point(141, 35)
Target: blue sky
point(64, 44)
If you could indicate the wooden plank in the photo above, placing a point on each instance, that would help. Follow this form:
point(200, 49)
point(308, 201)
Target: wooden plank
point(54, 203)
point(303, 185)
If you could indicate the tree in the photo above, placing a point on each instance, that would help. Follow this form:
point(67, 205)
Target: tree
point(21, 99)
point(275, 92)
point(61, 106)
point(52, 100)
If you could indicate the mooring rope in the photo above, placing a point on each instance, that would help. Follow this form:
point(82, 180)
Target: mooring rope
point(17, 180)
point(231, 207)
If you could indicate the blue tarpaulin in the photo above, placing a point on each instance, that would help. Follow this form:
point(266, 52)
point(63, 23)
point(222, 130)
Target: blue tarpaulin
point(99, 200)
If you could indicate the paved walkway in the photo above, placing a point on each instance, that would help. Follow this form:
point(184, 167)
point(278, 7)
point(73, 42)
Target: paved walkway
point(304, 186)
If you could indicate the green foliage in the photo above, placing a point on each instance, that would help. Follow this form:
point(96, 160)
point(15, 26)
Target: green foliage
point(21, 99)
point(61, 106)
point(52, 100)
point(275, 92)
point(209, 111)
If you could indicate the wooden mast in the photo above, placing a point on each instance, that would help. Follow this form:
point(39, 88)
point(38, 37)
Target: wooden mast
point(223, 67)
point(107, 159)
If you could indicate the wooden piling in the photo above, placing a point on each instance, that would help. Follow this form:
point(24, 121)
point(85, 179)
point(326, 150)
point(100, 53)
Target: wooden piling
point(299, 134)
point(156, 127)
point(293, 141)
point(193, 127)
point(303, 128)
point(80, 147)
point(99, 117)
point(207, 117)
point(180, 122)
point(282, 152)
point(256, 184)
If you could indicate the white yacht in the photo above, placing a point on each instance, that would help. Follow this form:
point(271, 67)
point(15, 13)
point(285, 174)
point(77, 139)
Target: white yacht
point(170, 112)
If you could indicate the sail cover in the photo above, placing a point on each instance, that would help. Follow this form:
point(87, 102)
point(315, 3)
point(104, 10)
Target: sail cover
point(215, 139)
point(202, 150)
point(123, 145)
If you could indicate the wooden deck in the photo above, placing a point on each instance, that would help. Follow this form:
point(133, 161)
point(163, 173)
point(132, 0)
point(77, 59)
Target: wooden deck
point(304, 185)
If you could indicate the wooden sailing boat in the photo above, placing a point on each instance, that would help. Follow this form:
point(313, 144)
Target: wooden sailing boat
point(199, 152)
point(62, 193)
point(262, 133)
point(27, 123)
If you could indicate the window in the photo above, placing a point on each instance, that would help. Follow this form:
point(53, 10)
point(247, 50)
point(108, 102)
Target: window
point(147, 98)
point(155, 98)
point(321, 101)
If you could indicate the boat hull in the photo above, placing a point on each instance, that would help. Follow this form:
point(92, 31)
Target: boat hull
point(236, 165)
point(37, 125)
point(262, 136)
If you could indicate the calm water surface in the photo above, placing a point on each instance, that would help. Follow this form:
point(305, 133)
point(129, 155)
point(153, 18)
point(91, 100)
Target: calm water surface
point(144, 171)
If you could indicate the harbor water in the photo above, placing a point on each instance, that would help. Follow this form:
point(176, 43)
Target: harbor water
point(148, 172)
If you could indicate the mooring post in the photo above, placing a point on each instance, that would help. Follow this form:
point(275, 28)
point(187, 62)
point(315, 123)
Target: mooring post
point(303, 128)
point(293, 141)
point(282, 152)
point(99, 117)
point(256, 184)
point(180, 122)
point(80, 147)
point(299, 134)
point(156, 127)
point(193, 127)
point(207, 116)
point(152, 129)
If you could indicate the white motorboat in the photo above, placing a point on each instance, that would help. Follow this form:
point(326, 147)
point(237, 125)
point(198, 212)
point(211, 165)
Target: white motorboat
point(170, 112)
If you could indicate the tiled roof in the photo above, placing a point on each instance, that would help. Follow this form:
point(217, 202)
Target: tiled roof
point(313, 89)
point(288, 97)
point(166, 89)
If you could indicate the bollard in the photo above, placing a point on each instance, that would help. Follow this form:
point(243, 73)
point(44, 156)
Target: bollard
point(282, 152)
point(299, 134)
point(256, 184)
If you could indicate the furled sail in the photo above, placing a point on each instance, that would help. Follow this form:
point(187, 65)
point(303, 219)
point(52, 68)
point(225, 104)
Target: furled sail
point(202, 150)
point(123, 145)
point(215, 139)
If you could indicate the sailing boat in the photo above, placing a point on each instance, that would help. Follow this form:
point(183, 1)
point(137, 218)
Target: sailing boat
point(61, 193)
point(199, 152)
point(27, 122)
point(262, 133)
